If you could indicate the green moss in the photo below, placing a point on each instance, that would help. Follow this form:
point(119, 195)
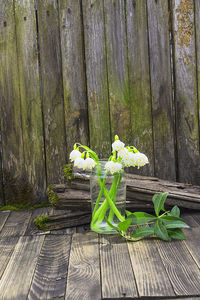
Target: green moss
point(41, 222)
point(52, 196)
point(68, 172)
point(23, 206)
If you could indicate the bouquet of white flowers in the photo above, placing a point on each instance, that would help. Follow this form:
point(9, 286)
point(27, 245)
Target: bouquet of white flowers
point(108, 183)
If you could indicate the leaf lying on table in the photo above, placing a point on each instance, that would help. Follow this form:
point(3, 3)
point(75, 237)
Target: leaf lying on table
point(166, 226)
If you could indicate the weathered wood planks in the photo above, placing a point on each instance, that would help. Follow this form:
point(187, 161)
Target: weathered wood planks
point(16, 224)
point(51, 89)
point(197, 38)
point(31, 110)
point(139, 81)
point(117, 68)
point(83, 279)
point(182, 270)
point(17, 277)
point(10, 102)
point(96, 72)
point(187, 113)
point(151, 277)
point(7, 245)
point(117, 277)
point(74, 77)
point(49, 280)
point(161, 89)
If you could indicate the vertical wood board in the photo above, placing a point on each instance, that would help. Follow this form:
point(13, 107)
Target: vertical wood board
point(96, 71)
point(186, 91)
point(116, 271)
point(117, 67)
point(52, 89)
point(49, 280)
point(10, 104)
point(139, 81)
point(7, 246)
point(74, 76)
point(30, 95)
point(83, 281)
point(161, 89)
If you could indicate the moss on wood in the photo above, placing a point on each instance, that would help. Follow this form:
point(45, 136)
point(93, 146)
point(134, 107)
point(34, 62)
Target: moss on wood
point(41, 222)
point(52, 196)
point(68, 172)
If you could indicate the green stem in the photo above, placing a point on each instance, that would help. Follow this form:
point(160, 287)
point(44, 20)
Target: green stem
point(111, 213)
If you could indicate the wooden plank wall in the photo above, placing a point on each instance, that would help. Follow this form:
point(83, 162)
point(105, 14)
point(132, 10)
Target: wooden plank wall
point(85, 70)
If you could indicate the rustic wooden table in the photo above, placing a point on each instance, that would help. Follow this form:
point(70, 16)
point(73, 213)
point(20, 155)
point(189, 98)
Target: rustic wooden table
point(76, 264)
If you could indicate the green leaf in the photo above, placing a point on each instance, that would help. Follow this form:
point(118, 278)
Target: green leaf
point(175, 211)
point(123, 226)
point(128, 213)
point(140, 218)
point(173, 222)
point(158, 201)
point(161, 231)
point(177, 234)
point(142, 231)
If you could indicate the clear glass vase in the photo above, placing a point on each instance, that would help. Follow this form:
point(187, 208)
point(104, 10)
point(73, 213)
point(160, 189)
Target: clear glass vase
point(108, 199)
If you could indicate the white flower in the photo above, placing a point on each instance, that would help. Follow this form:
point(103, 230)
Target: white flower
point(74, 155)
point(90, 163)
point(123, 153)
point(80, 163)
point(117, 145)
point(113, 167)
point(139, 160)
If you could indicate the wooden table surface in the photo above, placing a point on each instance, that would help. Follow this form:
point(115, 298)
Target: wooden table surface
point(78, 264)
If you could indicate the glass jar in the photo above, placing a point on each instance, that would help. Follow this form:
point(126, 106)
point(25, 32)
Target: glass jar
point(108, 199)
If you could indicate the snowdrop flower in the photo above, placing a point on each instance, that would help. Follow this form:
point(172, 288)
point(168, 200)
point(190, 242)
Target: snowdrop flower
point(90, 163)
point(74, 155)
point(113, 167)
point(139, 160)
point(123, 153)
point(117, 145)
point(80, 163)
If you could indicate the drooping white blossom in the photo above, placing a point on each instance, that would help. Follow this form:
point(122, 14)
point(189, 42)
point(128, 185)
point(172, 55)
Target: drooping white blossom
point(113, 167)
point(74, 155)
point(123, 153)
point(80, 163)
point(117, 145)
point(90, 163)
point(139, 160)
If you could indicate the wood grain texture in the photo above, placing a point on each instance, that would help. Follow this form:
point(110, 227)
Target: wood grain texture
point(192, 243)
point(74, 76)
point(150, 274)
point(96, 71)
point(182, 270)
point(16, 224)
point(83, 281)
point(10, 104)
point(117, 277)
point(49, 280)
point(52, 89)
point(3, 217)
point(30, 95)
point(117, 67)
point(2, 200)
point(197, 37)
point(139, 81)
point(7, 246)
point(17, 277)
point(31, 228)
point(187, 129)
point(161, 89)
